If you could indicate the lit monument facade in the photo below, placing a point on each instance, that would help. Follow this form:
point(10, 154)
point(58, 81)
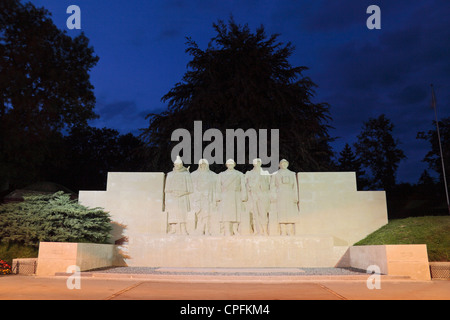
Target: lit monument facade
point(232, 219)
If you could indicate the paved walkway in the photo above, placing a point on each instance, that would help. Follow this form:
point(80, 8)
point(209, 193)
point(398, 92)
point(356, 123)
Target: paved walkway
point(219, 284)
point(104, 286)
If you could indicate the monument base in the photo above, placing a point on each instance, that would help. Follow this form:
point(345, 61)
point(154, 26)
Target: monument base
point(233, 252)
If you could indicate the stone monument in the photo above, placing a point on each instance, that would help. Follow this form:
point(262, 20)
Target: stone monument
point(283, 187)
point(177, 203)
point(203, 199)
point(203, 219)
point(231, 193)
point(257, 182)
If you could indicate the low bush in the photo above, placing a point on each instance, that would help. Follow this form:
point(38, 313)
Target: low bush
point(53, 218)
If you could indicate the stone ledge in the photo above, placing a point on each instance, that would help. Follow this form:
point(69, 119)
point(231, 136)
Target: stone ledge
point(394, 260)
point(235, 251)
point(58, 256)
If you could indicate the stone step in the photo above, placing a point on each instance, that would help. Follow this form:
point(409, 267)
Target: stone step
point(232, 275)
point(236, 251)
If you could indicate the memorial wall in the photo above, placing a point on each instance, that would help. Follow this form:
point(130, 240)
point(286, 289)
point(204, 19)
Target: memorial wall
point(235, 219)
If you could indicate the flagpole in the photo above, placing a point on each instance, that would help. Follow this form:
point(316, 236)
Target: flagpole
point(433, 102)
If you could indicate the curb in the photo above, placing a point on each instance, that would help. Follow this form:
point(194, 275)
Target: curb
point(182, 278)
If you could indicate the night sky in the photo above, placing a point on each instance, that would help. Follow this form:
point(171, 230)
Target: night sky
point(361, 73)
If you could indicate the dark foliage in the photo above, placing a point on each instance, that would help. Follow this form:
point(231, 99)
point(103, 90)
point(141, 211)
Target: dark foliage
point(244, 80)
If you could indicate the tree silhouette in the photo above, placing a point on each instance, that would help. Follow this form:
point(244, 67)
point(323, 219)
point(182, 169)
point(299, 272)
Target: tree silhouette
point(44, 88)
point(90, 153)
point(433, 157)
point(348, 161)
point(244, 80)
point(378, 152)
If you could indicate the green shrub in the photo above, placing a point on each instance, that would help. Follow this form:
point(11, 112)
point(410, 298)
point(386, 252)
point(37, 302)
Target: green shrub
point(10, 251)
point(52, 218)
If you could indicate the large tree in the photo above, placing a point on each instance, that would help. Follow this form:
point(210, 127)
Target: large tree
point(44, 88)
point(379, 152)
point(348, 161)
point(90, 153)
point(245, 80)
point(433, 157)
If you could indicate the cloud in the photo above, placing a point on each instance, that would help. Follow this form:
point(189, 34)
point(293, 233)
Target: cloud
point(410, 94)
point(170, 32)
point(124, 116)
point(333, 15)
point(118, 109)
point(365, 73)
point(361, 73)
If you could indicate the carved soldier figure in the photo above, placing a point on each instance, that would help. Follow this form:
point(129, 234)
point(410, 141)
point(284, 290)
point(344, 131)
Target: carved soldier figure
point(177, 190)
point(203, 199)
point(257, 182)
point(231, 193)
point(283, 187)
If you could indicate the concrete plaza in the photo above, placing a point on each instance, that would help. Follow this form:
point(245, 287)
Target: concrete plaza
point(200, 287)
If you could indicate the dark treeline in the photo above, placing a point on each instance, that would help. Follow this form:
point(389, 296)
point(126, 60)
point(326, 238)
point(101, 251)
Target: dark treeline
point(243, 79)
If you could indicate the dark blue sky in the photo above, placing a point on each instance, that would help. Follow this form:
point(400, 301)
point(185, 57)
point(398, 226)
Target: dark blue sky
point(361, 73)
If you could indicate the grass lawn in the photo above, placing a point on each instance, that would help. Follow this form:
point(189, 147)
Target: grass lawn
point(434, 231)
